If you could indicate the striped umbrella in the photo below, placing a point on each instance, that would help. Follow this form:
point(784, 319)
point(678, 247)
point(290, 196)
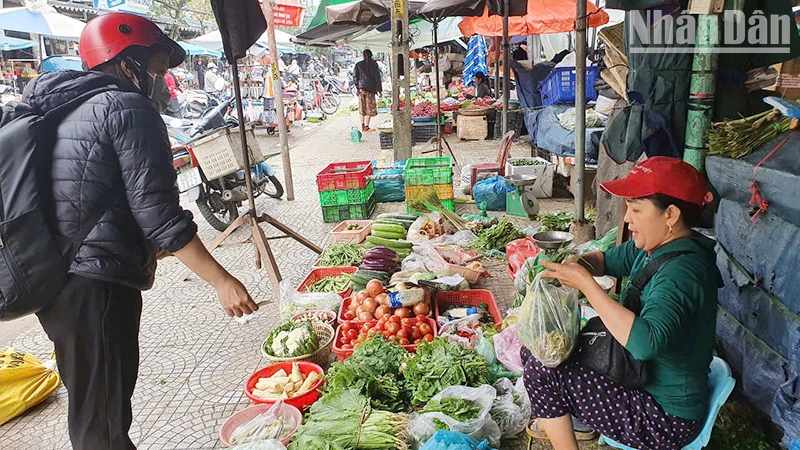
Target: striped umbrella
point(475, 61)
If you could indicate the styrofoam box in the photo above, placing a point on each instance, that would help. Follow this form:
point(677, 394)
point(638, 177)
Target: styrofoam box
point(544, 175)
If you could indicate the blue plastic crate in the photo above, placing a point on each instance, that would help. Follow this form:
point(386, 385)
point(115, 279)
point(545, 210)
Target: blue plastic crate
point(559, 86)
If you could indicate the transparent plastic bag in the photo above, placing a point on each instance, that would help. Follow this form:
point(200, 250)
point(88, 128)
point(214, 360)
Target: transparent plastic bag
point(422, 426)
point(265, 425)
point(453, 236)
point(549, 321)
point(466, 179)
point(270, 444)
point(293, 302)
point(507, 347)
point(511, 409)
point(466, 331)
point(451, 440)
point(485, 348)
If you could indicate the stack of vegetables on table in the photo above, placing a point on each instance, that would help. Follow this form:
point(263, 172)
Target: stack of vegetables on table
point(341, 254)
point(375, 302)
point(336, 283)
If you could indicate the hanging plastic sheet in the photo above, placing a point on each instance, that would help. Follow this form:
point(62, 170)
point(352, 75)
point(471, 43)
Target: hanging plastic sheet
point(475, 61)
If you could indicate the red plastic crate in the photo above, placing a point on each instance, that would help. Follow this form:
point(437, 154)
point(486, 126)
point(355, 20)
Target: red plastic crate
point(344, 175)
point(322, 272)
point(342, 354)
point(346, 305)
point(472, 297)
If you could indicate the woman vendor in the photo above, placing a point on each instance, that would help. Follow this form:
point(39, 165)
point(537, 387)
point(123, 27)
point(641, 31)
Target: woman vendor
point(673, 333)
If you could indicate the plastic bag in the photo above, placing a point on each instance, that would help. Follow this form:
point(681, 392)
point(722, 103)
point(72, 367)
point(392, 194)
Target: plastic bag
point(293, 302)
point(608, 241)
point(524, 274)
point(422, 427)
point(466, 179)
point(254, 430)
point(466, 331)
point(25, 381)
point(414, 235)
point(511, 409)
point(485, 348)
point(493, 191)
point(390, 189)
point(270, 444)
point(506, 347)
point(549, 321)
point(451, 440)
point(518, 251)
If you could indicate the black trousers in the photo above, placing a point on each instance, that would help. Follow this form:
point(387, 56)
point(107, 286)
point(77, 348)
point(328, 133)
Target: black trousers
point(95, 328)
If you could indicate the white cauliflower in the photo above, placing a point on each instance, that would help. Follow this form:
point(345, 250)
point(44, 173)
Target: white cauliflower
point(295, 338)
point(278, 343)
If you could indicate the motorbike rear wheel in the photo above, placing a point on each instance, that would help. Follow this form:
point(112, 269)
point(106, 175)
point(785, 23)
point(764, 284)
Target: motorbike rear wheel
point(271, 186)
point(328, 103)
point(220, 215)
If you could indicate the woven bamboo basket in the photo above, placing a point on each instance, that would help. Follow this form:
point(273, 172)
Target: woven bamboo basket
point(325, 335)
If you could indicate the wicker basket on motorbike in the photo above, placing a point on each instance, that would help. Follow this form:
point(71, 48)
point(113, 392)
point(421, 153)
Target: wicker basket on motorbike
point(220, 153)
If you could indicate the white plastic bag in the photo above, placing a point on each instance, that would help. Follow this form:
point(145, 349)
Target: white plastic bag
point(293, 302)
point(466, 179)
point(511, 409)
point(507, 347)
point(414, 235)
point(466, 331)
point(549, 321)
point(257, 428)
point(421, 427)
point(270, 444)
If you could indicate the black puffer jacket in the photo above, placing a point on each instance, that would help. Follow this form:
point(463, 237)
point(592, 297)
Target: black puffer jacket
point(113, 145)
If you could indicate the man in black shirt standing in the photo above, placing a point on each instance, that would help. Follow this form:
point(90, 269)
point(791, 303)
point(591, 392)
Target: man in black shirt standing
point(367, 76)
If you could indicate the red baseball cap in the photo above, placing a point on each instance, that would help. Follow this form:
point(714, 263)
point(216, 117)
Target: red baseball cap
point(661, 175)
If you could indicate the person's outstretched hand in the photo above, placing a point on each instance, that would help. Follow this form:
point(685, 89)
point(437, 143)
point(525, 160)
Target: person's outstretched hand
point(235, 299)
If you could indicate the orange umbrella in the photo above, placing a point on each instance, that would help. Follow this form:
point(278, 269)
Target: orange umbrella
point(544, 16)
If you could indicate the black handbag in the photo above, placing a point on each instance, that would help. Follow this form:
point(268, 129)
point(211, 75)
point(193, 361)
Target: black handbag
point(599, 351)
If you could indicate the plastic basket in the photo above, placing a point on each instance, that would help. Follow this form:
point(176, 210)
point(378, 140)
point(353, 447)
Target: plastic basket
point(347, 196)
point(322, 272)
point(324, 333)
point(428, 171)
point(342, 354)
point(220, 153)
point(516, 121)
point(559, 86)
point(349, 212)
point(251, 412)
point(386, 140)
point(448, 204)
point(443, 191)
point(299, 401)
point(344, 175)
point(471, 275)
point(424, 132)
point(472, 297)
point(342, 234)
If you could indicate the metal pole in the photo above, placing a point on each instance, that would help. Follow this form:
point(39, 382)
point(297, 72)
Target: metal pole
point(438, 98)
point(580, 108)
point(278, 93)
point(237, 90)
point(506, 68)
point(702, 91)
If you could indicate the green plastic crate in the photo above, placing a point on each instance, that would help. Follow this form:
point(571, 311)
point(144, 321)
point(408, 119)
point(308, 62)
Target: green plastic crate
point(514, 205)
point(448, 204)
point(347, 196)
point(423, 171)
point(339, 213)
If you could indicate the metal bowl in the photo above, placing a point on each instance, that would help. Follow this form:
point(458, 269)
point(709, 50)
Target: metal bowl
point(552, 240)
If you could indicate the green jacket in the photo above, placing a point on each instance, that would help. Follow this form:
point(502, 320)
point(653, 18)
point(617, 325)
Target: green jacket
point(675, 331)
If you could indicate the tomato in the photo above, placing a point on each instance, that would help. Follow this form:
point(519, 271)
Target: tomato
point(402, 312)
point(407, 327)
point(425, 328)
point(402, 333)
point(392, 328)
point(371, 332)
point(417, 341)
point(343, 340)
point(416, 334)
point(346, 326)
point(382, 310)
point(352, 334)
point(381, 326)
point(422, 319)
point(395, 319)
point(428, 337)
point(365, 327)
point(392, 338)
point(348, 315)
point(406, 321)
point(362, 337)
point(403, 341)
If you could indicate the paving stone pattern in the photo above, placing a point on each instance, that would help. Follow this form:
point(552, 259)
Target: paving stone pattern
point(194, 359)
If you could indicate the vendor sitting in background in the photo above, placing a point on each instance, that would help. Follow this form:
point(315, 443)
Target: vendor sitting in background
point(674, 332)
point(482, 88)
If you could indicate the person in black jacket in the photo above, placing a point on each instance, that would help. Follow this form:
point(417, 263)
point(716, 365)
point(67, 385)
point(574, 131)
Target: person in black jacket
point(367, 76)
point(111, 155)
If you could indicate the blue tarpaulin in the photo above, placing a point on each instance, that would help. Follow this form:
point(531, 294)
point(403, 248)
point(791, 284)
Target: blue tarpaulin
point(196, 50)
point(9, 43)
point(475, 61)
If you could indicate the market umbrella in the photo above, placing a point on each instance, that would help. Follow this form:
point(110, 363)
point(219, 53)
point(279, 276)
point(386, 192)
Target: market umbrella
point(543, 17)
point(196, 50)
point(40, 19)
point(367, 12)
point(476, 59)
point(421, 30)
point(213, 40)
point(8, 44)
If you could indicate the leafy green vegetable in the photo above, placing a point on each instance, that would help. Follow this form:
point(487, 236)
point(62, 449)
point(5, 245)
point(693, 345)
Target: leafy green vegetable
point(498, 236)
point(341, 254)
point(344, 420)
point(561, 220)
point(373, 370)
point(458, 408)
point(440, 364)
point(292, 339)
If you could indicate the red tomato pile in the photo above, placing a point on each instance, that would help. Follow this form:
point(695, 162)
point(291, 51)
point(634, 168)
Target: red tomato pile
point(404, 331)
point(373, 303)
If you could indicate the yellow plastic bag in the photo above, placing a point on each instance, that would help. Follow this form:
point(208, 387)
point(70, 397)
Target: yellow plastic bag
point(24, 382)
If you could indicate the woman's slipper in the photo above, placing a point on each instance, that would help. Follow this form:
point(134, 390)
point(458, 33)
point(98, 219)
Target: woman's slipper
point(582, 432)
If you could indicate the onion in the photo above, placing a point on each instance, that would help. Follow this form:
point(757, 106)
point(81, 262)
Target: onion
point(421, 309)
point(382, 299)
point(369, 305)
point(365, 316)
point(382, 311)
point(374, 287)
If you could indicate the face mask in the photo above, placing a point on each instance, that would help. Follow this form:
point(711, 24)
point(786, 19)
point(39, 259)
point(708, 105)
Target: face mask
point(159, 92)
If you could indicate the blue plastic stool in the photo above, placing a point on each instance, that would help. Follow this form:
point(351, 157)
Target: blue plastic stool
point(721, 385)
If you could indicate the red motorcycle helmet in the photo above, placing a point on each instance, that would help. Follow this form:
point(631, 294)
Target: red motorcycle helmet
point(106, 36)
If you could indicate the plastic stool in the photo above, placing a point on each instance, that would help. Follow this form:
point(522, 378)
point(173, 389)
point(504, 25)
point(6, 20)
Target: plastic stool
point(498, 167)
point(720, 383)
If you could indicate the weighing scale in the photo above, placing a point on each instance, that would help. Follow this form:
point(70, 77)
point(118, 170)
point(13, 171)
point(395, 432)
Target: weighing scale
point(523, 183)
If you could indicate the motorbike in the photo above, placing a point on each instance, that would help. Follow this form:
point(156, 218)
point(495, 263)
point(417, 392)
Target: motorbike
point(335, 84)
point(217, 199)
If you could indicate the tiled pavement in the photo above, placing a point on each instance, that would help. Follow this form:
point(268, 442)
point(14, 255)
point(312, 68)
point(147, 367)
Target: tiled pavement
point(194, 359)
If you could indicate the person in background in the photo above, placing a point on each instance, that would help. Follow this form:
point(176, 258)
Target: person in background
point(201, 73)
point(112, 172)
point(211, 77)
point(174, 107)
point(482, 88)
point(367, 76)
point(293, 71)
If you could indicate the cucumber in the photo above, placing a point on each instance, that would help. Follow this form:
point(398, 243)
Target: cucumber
point(389, 228)
point(405, 225)
point(393, 244)
point(400, 216)
point(388, 235)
